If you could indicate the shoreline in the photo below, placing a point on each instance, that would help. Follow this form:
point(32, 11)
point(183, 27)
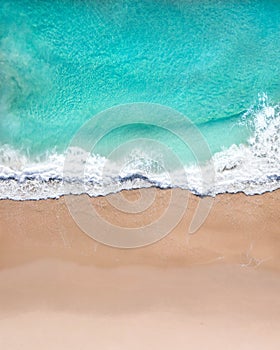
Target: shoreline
point(143, 188)
point(136, 188)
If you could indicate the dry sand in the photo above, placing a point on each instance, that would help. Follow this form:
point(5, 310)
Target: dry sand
point(216, 289)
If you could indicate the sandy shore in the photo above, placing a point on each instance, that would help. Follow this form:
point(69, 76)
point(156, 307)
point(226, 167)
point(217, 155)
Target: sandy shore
point(217, 289)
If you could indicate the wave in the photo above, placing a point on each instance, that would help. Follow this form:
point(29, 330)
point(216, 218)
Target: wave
point(252, 168)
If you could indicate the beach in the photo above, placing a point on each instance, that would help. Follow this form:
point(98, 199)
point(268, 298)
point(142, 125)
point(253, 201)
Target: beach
point(216, 288)
point(139, 175)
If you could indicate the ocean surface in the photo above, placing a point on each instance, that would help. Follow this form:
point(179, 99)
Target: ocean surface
point(215, 63)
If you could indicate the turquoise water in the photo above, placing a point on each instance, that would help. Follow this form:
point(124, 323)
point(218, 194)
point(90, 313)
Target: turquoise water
point(62, 62)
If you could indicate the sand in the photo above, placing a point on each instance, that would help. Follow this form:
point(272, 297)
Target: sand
point(215, 289)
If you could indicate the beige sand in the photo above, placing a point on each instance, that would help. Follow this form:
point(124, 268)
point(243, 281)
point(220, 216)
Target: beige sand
point(216, 289)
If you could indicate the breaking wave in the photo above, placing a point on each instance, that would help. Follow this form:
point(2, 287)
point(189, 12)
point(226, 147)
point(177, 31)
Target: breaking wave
point(252, 168)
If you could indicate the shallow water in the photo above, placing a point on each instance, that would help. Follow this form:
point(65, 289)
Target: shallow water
point(62, 62)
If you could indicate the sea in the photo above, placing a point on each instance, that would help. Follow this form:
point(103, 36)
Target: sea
point(97, 96)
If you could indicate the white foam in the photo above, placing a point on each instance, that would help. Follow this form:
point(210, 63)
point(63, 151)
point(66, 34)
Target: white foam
point(253, 168)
